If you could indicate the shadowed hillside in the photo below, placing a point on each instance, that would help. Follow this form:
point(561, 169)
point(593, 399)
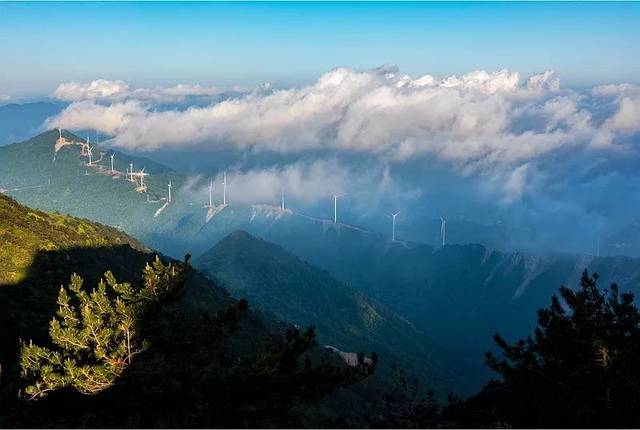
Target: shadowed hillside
point(202, 358)
point(39, 253)
point(292, 290)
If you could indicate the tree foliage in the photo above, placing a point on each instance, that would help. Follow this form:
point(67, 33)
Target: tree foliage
point(96, 334)
point(578, 369)
point(403, 406)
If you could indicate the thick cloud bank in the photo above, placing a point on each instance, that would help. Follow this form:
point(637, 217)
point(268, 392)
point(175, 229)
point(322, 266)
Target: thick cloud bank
point(525, 143)
point(479, 122)
point(473, 120)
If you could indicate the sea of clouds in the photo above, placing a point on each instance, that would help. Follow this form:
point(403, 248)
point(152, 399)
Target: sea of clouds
point(526, 144)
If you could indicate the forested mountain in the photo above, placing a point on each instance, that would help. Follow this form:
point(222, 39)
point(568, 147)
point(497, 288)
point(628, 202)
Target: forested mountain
point(458, 295)
point(461, 294)
point(192, 355)
point(199, 358)
point(292, 290)
point(56, 178)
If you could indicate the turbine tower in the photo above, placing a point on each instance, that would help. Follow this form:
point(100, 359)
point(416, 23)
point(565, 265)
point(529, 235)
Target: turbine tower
point(393, 226)
point(90, 152)
point(224, 188)
point(169, 185)
point(282, 200)
point(112, 155)
point(210, 193)
point(142, 174)
point(443, 230)
point(335, 207)
point(130, 173)
point(60, 132)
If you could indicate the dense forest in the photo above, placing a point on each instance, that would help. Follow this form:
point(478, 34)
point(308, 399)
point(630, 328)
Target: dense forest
point(100, 331)
point(166, 347)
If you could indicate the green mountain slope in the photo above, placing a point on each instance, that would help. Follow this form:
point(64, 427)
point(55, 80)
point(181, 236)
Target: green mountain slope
point(458, 295)
point(26, 232)
point(206, 359)
point(41, 250)
point(38, 175)
point(292, 290)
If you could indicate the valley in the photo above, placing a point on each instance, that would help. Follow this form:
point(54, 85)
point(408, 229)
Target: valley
point(458, 295)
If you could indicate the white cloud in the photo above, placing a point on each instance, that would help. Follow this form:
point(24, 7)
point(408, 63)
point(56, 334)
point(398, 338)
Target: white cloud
point(480, 122)
point(615, 90)
point(627, 102)
point(489, 83)
point(543, 81)
point(516, 182)
point(90, 115)
point(359, 111)
point(307, 183)
point(627, 117)
point(103, 90)
point(100, 89)
point(4, 98)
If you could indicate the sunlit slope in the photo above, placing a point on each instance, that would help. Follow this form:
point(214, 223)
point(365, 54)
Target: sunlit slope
point(25, 232)
point(36, 174)
point(39, 251)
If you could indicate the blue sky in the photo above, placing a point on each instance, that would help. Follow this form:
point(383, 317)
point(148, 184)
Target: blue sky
point(43, 44)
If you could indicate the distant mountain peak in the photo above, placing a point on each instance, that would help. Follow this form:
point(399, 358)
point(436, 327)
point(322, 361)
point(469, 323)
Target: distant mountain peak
point(280, 283)
point(241, 235)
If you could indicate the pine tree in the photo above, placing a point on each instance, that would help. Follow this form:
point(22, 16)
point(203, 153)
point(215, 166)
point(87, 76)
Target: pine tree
point(96, 334)
point(403, 406)
point(580, 367)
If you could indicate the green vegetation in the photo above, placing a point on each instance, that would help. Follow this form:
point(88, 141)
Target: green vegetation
point(25, 233)
point(578, 369)
point(282, 285)
point(97, 336)
point(61, 181)
point(165, 349)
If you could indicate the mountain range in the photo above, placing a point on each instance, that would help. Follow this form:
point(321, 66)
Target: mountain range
point(292, 290)
point(457, 295)
point(202, 331)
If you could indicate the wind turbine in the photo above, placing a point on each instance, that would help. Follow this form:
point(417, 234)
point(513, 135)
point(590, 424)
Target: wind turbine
point(393, 226)
point(282, 200)
point(224, 188)
point(443, 230)
point(130, 172)
point(169, 185)
point(335, 207)
point(112, 155)
point(142, 174)
point(210, 194)
point(60, 132)
point(90, 152)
